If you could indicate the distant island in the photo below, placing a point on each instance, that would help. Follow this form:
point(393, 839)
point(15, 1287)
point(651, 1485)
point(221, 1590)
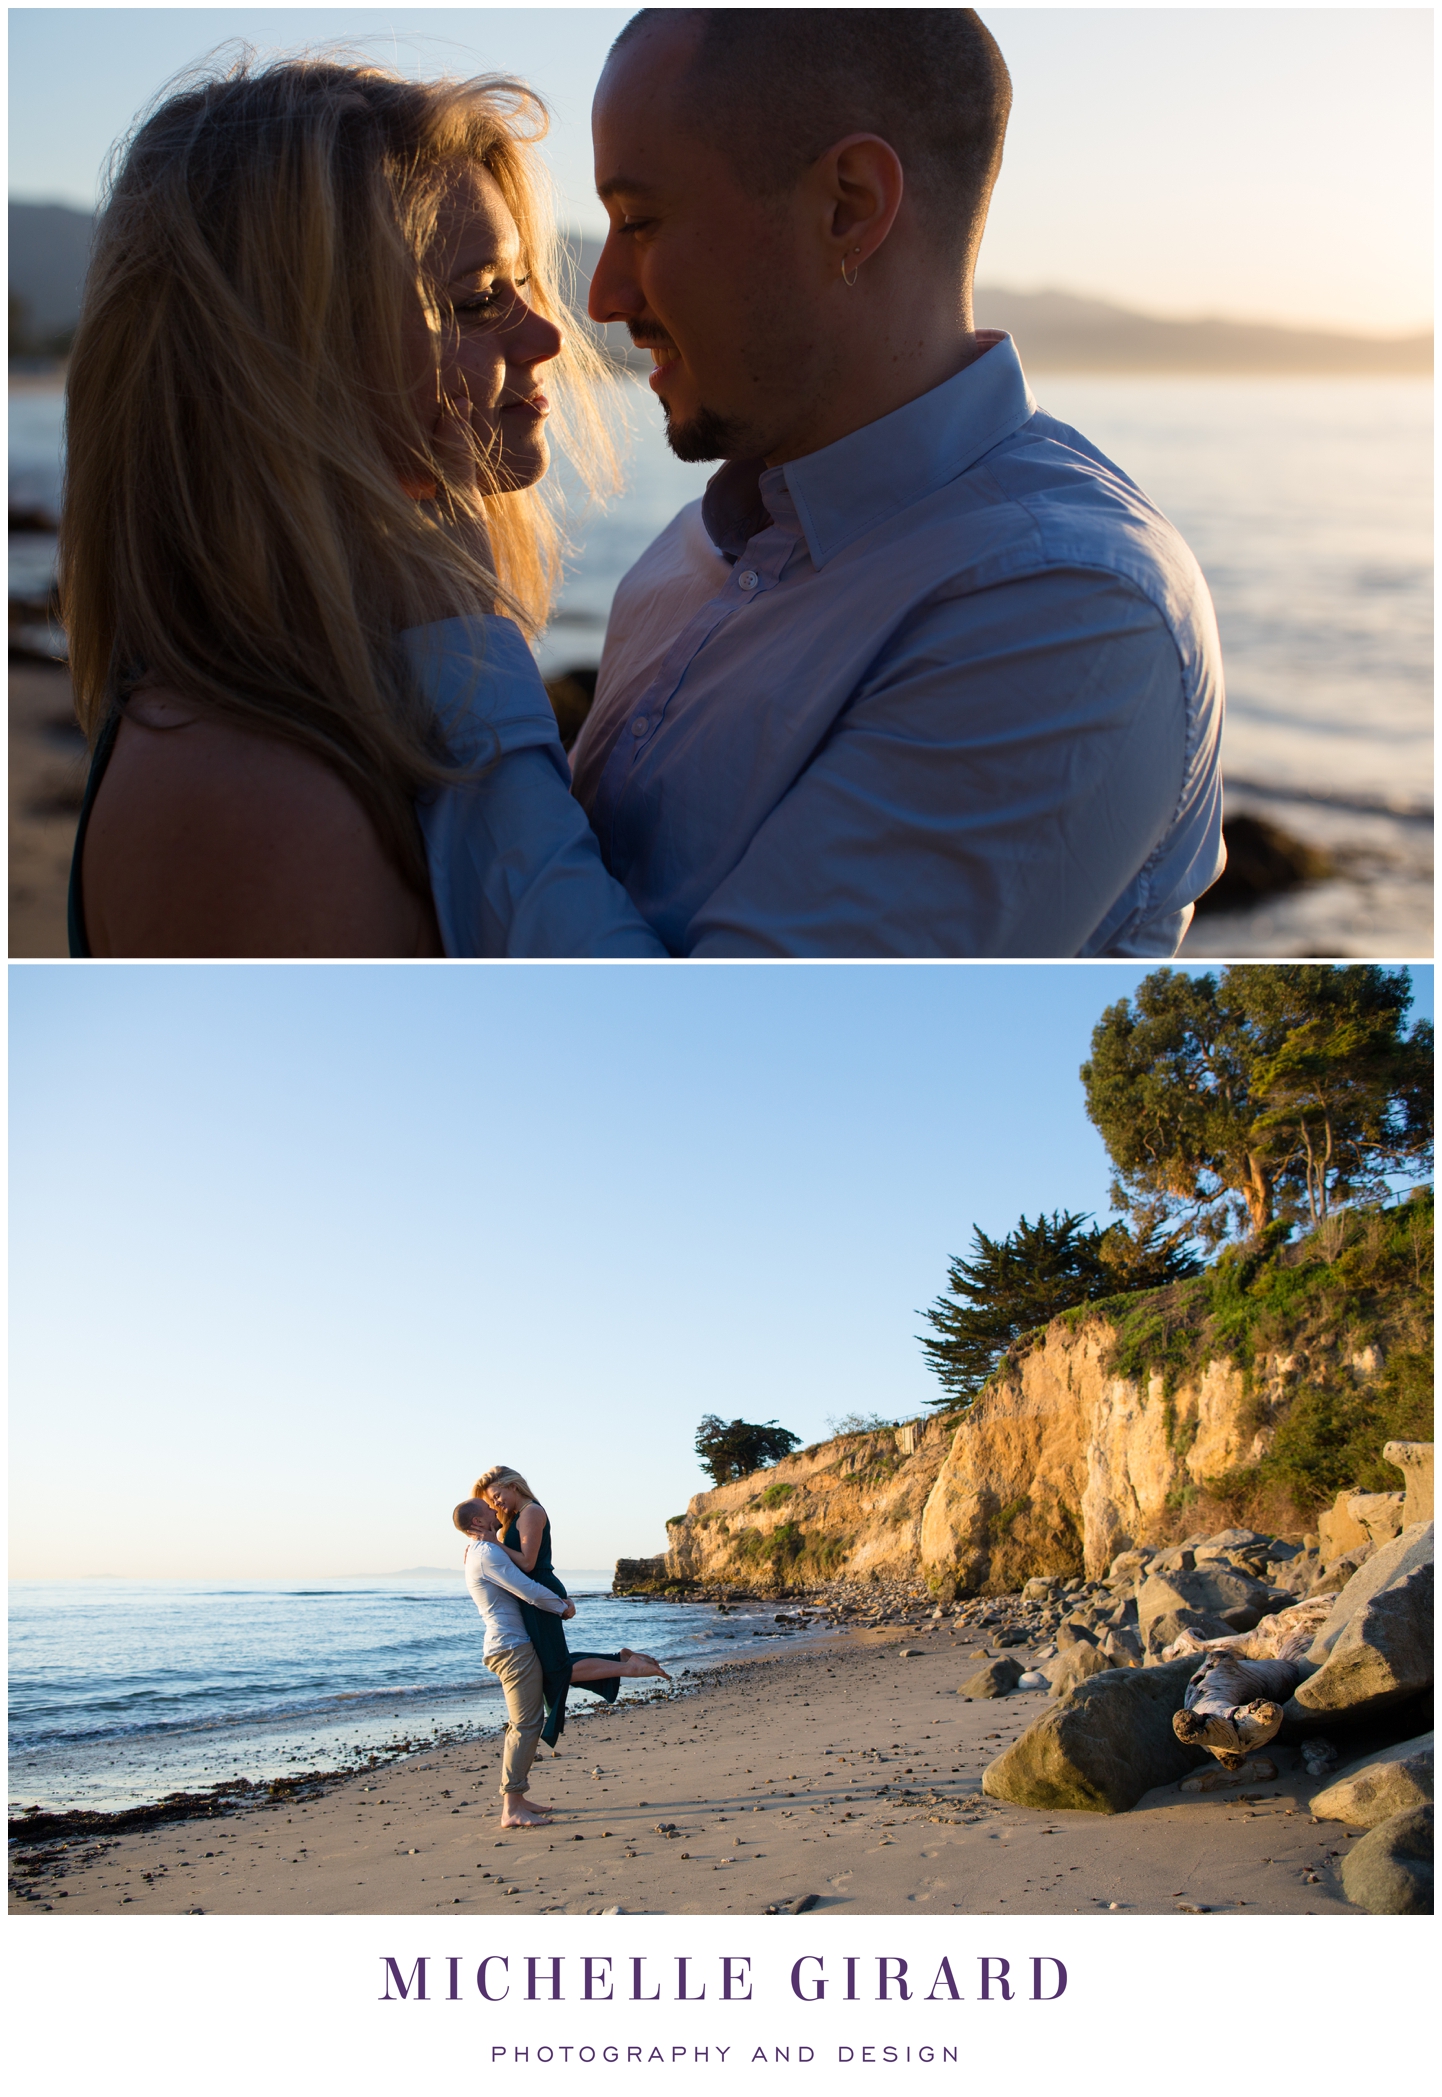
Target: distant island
point(1053, 330)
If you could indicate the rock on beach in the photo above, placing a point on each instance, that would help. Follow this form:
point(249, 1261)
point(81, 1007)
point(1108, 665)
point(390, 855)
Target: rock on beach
point(1375, 1649)
point(1215, 1590)
point(1390, 1870)
point(1380, 1786)
point(998, 1679)
point(1077, 1664)
point(1105, 1744)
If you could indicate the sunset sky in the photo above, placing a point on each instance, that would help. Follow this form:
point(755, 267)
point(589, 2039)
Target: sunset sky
point(1268, 163)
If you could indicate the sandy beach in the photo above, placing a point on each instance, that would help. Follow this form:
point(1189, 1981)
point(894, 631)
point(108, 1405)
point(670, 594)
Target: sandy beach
point(848, 1769)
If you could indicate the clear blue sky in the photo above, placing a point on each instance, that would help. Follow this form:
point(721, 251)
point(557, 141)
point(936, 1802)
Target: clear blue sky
point(298, 1250)
point(1271, 162)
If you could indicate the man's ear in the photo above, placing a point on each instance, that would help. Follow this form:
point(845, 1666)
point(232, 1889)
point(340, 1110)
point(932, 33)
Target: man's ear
point(863, 179)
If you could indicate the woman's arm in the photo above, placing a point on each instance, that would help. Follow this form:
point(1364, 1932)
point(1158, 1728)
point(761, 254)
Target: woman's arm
point(531, 1527)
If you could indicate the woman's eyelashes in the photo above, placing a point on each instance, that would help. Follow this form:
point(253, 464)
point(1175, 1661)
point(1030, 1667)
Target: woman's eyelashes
point(496, 302)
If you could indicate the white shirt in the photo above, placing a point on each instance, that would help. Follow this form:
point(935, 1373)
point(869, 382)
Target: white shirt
point(495, 1581)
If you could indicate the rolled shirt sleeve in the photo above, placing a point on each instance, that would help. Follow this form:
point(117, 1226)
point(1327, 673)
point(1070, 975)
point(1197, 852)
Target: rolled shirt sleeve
point(504, 1572)
point(515, 867)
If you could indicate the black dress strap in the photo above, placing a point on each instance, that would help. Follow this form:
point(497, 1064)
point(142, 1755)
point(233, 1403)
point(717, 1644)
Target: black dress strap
point(75, 904)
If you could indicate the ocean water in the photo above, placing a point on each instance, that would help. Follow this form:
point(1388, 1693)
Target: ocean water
point(1308, 503)
point(124, 1691)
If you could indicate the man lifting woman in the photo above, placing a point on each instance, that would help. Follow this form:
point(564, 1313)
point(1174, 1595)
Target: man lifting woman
point(523, 1605)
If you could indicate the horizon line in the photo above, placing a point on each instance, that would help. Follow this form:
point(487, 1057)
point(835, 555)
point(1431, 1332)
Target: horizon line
point(1351, 331)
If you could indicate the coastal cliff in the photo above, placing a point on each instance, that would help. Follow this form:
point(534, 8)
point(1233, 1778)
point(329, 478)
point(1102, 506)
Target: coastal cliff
point(1260, 1388)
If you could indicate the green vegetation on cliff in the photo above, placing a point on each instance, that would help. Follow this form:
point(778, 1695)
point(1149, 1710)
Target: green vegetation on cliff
point(1011, 1285)
point(735, 1448)
point(1350, 1305)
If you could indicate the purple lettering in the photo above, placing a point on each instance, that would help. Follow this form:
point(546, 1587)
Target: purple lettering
point(944, 1973)
point(1001, 1979)
point(885, 1977)
point(493, 1958)
point(416, 1981)
point(818, 1982)
point(731, 1981)
point(1036, 1966)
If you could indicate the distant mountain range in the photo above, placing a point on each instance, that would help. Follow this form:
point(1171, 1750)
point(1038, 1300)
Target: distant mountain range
point(1056, 331)
point(1053, 330)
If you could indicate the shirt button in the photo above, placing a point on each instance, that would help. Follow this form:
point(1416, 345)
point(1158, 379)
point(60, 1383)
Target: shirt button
point(640, 725)
point(748, 578)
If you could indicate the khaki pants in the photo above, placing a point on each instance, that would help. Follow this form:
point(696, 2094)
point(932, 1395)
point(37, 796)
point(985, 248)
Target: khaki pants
point(519, 1673)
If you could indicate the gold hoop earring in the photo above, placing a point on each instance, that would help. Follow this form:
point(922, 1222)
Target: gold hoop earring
point(855, 272)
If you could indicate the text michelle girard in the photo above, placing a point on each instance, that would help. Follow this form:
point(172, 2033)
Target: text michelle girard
point(812, 1978)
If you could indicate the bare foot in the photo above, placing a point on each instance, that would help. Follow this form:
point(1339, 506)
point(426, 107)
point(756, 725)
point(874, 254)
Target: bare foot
point(516, 1813)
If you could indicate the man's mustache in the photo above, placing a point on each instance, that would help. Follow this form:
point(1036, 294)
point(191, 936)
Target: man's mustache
point(646, 336)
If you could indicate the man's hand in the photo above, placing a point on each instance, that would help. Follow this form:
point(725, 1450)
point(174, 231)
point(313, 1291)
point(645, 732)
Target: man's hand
point(568, 1611)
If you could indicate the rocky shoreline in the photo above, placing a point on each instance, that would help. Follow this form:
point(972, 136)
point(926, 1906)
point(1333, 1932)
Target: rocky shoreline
point(1117, 1657)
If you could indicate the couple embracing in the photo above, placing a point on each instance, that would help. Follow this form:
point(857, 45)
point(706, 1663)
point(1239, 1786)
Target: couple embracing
point(923, 675)
point(523, 1605)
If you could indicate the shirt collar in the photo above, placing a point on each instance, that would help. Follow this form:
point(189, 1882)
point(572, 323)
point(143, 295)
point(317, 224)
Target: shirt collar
point(880, 469)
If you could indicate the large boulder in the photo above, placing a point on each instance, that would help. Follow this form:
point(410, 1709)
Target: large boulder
point(1077, 1664)
point(1335, 1575)
point(1173, 1622)
point(1245, 1540)
point(998, 1679)
point(1105, 1744)
point(1297, 1575)
point(1390, 1870)
point(1382, 1657)
point(1075, 1630)
point(1414, 1547)
point(1339, 1529)
point(1213, 1590)
point(1414, 1461)
point(1372, 1790)
point(1380, 1514)
point(1121, 1646)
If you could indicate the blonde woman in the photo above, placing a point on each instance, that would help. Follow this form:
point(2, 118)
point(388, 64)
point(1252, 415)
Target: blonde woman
point(525, 1537)
point(305, 536)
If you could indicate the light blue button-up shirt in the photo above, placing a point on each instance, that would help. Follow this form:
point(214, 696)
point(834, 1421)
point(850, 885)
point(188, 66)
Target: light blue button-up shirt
point(949, 687)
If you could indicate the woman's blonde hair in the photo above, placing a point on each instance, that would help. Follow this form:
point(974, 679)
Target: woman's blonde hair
point(501, 1474)
point(240, 413)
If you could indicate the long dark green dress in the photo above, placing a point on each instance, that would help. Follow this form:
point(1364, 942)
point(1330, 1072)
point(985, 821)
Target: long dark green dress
point(548, 1635)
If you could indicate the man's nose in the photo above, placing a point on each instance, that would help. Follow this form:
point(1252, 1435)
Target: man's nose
point(614, 293)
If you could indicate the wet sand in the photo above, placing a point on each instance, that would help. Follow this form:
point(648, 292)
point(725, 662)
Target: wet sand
point(841, 1770)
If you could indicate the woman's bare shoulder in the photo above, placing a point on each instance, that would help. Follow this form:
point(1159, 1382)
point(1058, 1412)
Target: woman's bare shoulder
point(207, 839)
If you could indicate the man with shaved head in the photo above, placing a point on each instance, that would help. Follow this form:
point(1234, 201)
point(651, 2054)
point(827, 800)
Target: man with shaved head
point(496, 1587)
point(923, 673)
